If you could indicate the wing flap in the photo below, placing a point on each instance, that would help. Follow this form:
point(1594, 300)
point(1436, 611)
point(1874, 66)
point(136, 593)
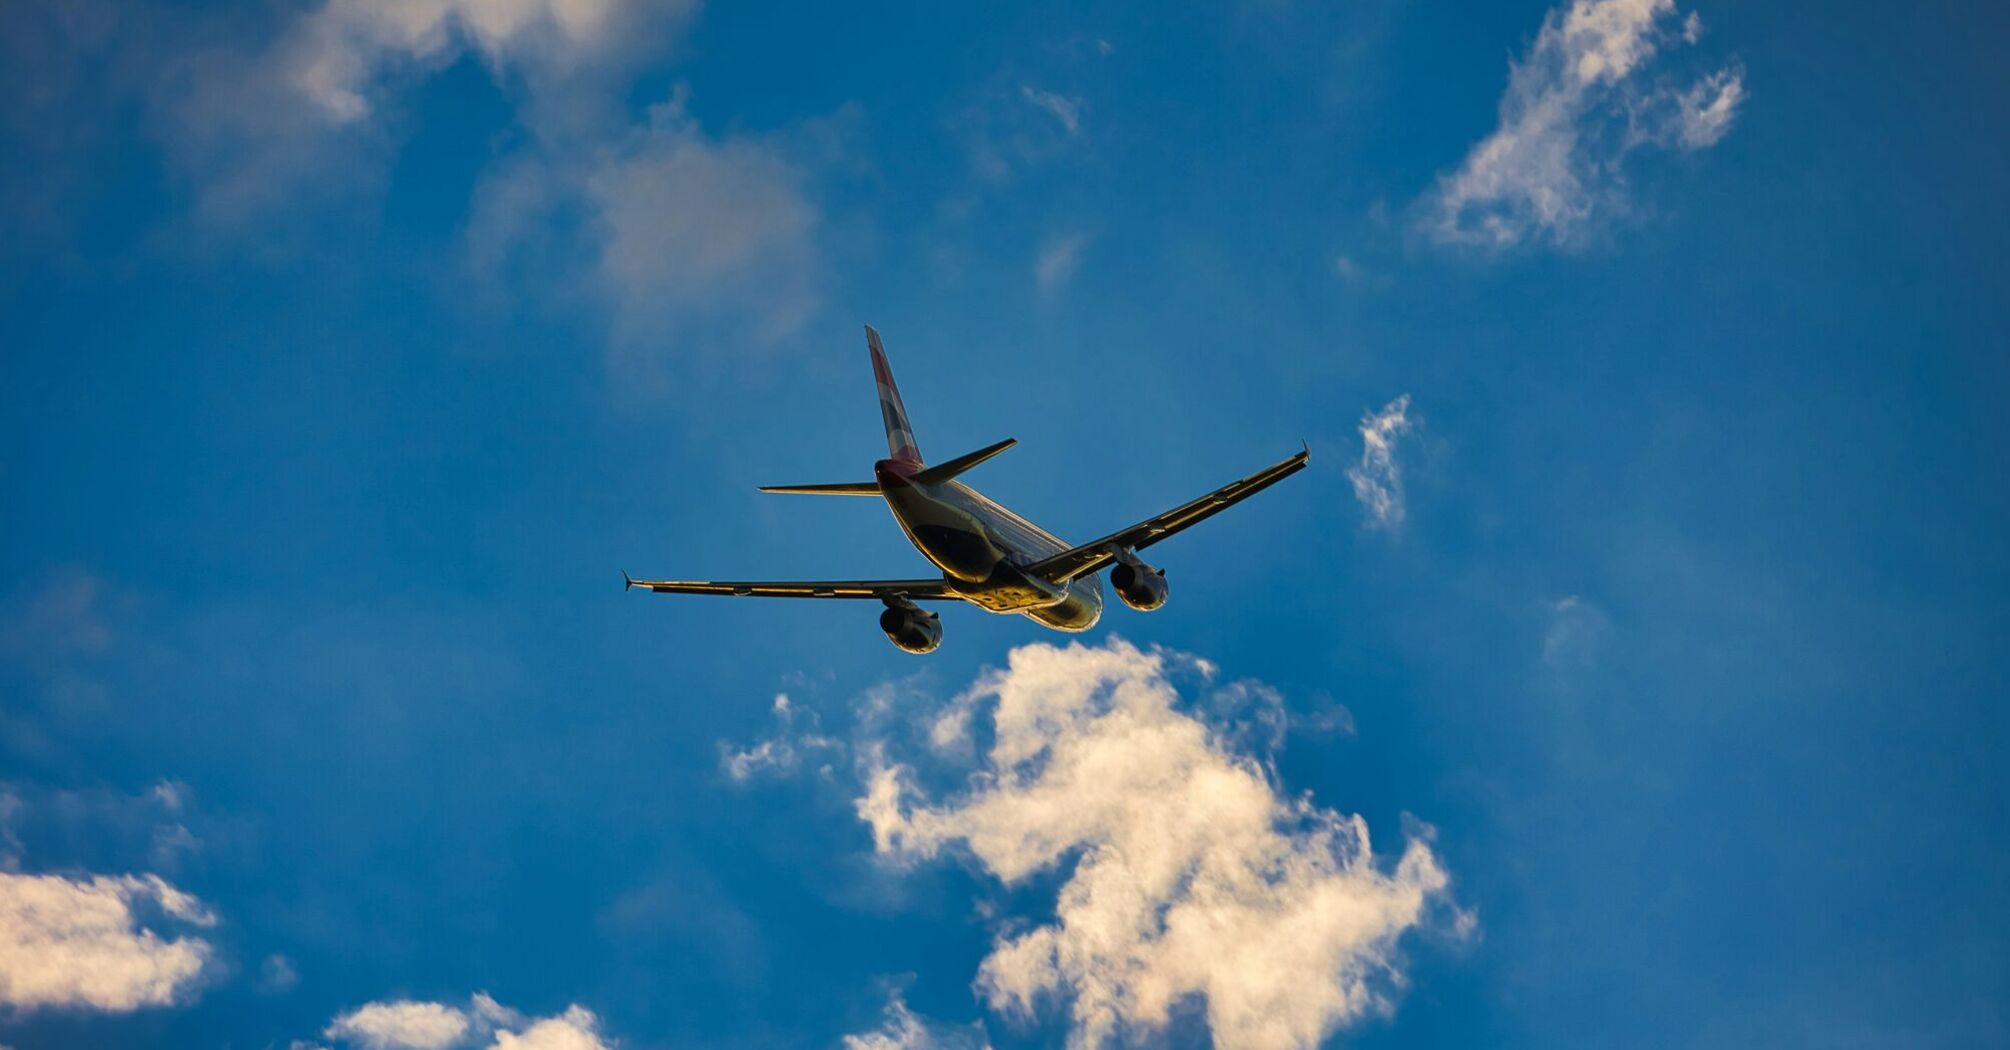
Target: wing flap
point(1089, 557)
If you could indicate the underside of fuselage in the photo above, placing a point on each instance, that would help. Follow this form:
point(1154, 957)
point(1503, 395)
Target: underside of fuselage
point(982, 548)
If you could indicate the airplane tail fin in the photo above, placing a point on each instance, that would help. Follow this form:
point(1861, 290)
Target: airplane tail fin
point(899, 435)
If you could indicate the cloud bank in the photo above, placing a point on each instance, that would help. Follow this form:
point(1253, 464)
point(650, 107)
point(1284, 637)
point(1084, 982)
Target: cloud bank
point(1194, 878)
point(86, 943)
point(1377, 479)
point(1574, 109)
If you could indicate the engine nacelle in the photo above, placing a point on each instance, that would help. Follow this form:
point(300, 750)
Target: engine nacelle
point(911, 627)
point(1141, 586)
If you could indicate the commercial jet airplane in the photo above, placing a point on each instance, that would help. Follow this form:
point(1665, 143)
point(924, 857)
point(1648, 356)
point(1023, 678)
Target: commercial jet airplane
point(990, 557)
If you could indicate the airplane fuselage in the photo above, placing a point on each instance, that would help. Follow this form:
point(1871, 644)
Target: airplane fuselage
point(982, 548)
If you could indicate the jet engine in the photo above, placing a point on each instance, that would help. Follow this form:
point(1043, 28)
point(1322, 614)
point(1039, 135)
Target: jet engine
point(910, 626)
point(1141, 586)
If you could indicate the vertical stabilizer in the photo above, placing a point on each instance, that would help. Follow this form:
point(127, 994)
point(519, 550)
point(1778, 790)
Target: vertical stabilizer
point(899, 435)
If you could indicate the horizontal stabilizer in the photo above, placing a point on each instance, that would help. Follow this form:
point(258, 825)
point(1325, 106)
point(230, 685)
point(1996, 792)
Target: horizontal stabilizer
point(942, 472)
point(836, 488)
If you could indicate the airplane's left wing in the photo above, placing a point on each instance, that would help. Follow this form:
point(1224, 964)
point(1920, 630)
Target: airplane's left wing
point(919, 590)
point(1089, 557)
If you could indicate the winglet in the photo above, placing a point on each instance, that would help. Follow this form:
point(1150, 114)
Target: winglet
point(1305, 449)
point(626, 583)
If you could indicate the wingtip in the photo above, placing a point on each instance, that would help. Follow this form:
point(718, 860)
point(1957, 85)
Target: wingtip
point(626, 583)
point(1305, 450)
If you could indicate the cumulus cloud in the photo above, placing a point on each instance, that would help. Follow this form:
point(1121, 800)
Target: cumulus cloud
point(797, 739)
point(87, 943)
point(1574, 109)
point(403, 1024)
point(1377, 479)
point(408, 1024)
point(1193, 876)
point(901, 1029)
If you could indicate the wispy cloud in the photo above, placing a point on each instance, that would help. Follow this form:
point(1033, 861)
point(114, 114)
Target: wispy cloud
point(1063, 108)
point(797, 739)
point(1571, 639)
point(902, 1029)
point(1377, 478)
point(1573, 111)
point(86, 943)
point(1194, 874)
point(1059, 257)
point(1005, 131)
point(679, 236)
point(407, 1024)
point(692, 229)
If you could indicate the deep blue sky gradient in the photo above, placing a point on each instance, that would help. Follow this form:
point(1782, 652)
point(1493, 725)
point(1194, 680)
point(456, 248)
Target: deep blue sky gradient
point(354, 515)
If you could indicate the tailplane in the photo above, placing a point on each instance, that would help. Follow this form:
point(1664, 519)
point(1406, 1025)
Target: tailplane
point(899, 435)
point(835, 488)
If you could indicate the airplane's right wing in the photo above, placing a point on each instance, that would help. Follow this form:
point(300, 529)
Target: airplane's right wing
point(919, 590)
point(1089, 557)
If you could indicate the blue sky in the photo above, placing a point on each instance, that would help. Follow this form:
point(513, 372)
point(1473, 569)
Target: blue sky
point(1644, 600)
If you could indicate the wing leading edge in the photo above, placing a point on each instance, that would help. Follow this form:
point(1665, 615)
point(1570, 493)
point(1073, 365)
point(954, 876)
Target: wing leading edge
point(1089, 557)
point(919, 590)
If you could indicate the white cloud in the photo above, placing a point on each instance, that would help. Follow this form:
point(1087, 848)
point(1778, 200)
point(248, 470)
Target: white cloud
point(408, 1024)
point(1059, 257)
point(1571, 114)
point(901, 1029)
point(340, 51)
point(1377, 479)
point(83, 943)
point(403, 1024)
point(1193, 877)
point(783, 753)
point(575, 1029)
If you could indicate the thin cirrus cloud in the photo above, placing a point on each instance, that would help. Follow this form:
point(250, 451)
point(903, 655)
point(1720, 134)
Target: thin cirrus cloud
point(1378, 477)
point(89, 944)
point(1576, 106)
point(407, 1024)
point(1195, 876)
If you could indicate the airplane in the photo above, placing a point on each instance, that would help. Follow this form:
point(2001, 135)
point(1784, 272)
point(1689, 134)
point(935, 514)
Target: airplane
point(989, 556)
